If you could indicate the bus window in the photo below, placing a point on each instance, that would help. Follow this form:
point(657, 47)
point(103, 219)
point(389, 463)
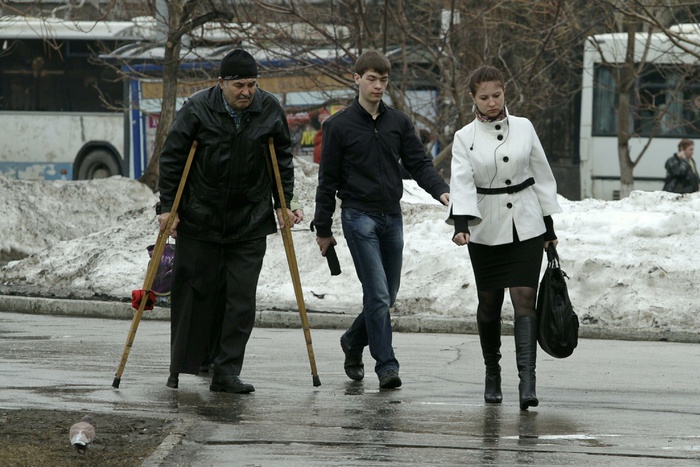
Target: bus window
point(54, 87)
point(34, 76)
point(604, 103)
point(651, 96)
point(58, 81)
point(92, 86)
point(664, 102)
point(691, 112)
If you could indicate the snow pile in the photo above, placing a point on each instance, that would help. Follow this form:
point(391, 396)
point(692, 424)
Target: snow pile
point(632, 263)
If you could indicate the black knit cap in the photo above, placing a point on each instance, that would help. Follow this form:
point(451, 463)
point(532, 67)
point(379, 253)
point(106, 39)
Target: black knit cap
point(238, 64)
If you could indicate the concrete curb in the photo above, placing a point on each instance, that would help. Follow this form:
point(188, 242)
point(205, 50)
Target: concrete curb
point(317, 319)
point(157, 457)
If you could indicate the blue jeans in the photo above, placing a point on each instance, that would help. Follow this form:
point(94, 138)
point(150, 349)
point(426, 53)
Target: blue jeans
point(376, 245)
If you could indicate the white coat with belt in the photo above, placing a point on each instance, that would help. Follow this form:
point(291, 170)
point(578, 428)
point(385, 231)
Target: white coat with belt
point(497, 155)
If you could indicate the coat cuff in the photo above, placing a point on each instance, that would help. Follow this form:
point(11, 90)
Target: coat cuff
point(161, 208)
point(549, 235)
point(461, 224)
point(324, 232)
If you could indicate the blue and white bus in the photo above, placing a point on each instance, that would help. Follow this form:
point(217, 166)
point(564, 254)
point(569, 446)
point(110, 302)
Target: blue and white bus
point(81, 99)
point(61, 108)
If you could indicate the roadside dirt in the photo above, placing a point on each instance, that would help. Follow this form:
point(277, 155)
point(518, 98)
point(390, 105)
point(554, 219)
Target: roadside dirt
point(40, 438)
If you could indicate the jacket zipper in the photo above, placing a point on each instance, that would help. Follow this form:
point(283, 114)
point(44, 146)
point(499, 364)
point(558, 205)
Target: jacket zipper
point(234, 140)
point(379, 158)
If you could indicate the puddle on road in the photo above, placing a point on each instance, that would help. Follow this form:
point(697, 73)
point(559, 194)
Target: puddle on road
point(25, 338)
point(80, 390)
point(582, 439)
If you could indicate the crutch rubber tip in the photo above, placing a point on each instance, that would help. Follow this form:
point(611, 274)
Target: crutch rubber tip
point(317, 381)
point(115, 383)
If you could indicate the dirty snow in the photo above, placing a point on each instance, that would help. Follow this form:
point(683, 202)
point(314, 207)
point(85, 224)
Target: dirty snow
point(633, 264)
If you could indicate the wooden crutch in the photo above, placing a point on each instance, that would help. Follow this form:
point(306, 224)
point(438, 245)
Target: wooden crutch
point(292, 261)
point(153, 267)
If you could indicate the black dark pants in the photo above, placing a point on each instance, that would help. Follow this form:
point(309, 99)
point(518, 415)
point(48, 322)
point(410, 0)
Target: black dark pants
point(214, 287)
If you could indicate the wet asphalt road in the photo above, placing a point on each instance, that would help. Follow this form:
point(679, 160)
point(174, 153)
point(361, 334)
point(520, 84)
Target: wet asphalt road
point(618, 403)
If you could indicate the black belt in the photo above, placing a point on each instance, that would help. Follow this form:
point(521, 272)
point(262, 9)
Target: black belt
point(506, 189)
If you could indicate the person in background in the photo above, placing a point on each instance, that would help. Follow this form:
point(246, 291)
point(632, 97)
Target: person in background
point(681, 118)
point(224, 218)
point(42, 88)
point(362, 147)
point(503, 194)
point(318, 137)
point(691, 115)
point(681, 171)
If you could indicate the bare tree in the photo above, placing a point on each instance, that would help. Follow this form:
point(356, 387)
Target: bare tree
point(181, 18)
point(435, 44)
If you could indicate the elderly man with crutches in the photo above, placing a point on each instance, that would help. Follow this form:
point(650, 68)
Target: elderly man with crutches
point(224, 218)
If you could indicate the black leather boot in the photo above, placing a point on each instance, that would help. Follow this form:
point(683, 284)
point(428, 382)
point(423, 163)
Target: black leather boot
point(525, 356)
point(230, 383)
point(490, 337)
point(173, 380)
point(353, 365)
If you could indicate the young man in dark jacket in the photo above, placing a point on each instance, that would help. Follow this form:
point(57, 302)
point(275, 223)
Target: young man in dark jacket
point(362, 147)
point(224, 217)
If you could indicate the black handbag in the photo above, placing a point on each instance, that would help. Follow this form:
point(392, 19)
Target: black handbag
point(558, 324)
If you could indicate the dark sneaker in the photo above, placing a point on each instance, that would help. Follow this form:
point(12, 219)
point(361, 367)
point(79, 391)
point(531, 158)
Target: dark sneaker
point(354, 367)
point(390, 380)
point(230, 383)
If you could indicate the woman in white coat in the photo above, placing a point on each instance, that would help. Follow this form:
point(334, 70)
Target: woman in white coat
point(502, 196)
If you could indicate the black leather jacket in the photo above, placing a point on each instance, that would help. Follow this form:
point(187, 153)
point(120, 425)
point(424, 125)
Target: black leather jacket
point(230, 189)
point(680, 176)
point(360, 162)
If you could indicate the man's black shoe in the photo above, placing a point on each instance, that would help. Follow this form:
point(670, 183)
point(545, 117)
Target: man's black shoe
point(173, 380)
point(390, 380)
point(230, 383)
point(354, 367)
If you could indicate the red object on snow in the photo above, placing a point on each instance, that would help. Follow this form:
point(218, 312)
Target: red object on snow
point(137, 296)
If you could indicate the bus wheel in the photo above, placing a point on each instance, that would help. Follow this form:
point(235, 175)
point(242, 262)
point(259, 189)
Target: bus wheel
point(98, 164)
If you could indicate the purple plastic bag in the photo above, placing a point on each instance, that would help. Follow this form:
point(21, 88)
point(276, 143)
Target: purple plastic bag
point(164, 276)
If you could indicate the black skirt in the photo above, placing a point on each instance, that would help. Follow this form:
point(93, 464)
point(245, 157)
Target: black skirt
point(516, 264)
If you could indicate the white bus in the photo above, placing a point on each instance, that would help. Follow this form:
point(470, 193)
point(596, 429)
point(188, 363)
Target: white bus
point(665, 108)
point(81, 99)
point(61, 109)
